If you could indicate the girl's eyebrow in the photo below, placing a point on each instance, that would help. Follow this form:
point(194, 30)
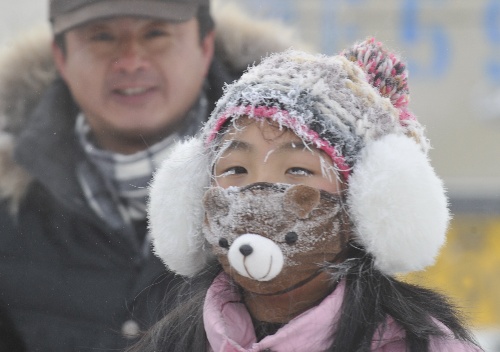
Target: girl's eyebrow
point(235, 144)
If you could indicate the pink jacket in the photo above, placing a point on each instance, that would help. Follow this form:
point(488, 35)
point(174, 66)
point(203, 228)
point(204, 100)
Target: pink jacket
point(229, 327)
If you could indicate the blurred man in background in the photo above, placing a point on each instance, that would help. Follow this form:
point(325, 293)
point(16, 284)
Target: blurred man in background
point(78, 148)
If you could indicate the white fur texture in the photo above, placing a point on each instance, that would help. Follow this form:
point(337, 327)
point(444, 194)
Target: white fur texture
point(254, 39)
point(263, 264)
point(398, 205)
point(175, 208)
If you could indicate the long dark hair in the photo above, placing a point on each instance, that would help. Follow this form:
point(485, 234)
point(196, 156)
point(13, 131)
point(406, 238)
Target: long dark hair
point(182, 328)
point(370, 297)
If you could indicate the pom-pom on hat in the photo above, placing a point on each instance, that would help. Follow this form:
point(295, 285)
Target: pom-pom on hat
point(354, 107)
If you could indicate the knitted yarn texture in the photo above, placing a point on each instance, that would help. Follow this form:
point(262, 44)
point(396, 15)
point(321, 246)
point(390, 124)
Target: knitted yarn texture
point(326, 101)
point(352, 106)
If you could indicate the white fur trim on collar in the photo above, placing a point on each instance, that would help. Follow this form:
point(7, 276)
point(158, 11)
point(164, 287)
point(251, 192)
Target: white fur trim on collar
point(398, 205)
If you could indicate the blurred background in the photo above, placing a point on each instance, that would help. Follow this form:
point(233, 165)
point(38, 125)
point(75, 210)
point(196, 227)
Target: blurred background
point(453, 51)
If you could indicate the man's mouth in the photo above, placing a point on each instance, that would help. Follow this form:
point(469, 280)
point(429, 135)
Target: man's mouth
point(132, 91)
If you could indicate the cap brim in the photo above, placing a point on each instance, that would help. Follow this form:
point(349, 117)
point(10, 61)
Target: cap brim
point(168, 11)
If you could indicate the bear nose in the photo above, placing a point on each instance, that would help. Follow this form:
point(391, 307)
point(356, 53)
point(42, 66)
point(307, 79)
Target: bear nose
point(246, 250)
point(256, 257)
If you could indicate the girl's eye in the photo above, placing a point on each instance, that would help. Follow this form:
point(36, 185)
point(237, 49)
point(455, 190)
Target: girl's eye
point(299, 171)
point(235, 170)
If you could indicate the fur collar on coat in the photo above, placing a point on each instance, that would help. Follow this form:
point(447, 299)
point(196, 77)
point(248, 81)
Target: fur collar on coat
point(26, 69)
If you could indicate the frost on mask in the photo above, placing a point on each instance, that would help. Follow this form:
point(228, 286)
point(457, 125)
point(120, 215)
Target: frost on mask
point(270, 237)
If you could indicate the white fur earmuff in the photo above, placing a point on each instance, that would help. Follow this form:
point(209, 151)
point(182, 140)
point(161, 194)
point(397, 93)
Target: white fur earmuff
point(175, 208)
point(398, 205)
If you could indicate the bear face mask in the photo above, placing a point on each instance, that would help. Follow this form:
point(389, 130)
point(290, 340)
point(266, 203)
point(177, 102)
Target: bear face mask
point(272, 238)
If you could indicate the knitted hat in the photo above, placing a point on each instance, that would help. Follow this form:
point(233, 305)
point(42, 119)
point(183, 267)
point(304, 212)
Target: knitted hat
point(352, 106)
point(67, 14)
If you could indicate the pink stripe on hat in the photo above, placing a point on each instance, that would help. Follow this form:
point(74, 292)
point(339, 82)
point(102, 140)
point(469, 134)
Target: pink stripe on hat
point(283, 117)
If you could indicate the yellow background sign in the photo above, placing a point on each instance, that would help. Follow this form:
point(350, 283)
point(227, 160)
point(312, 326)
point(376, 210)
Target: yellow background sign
point(468, 268)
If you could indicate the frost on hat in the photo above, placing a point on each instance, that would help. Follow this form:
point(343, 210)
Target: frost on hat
point(354, 107)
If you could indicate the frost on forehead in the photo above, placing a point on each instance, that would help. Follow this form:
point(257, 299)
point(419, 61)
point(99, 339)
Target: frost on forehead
point(226, 136)
point(226, 139)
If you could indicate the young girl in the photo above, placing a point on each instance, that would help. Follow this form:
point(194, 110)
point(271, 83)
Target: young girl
point(308, 189)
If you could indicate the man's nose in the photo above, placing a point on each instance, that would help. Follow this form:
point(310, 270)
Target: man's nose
point(130, 56)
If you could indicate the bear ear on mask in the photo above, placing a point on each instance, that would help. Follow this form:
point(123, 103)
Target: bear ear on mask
point(214, 199)
point(301, 200)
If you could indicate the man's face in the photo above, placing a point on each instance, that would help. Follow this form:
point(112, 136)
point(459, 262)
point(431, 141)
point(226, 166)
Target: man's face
point(134, 78)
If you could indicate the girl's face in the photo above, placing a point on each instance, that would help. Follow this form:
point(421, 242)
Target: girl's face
point(260, 152)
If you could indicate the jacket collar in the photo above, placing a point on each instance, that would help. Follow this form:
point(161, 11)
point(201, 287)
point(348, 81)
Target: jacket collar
point(51, 159)
point(229, 326)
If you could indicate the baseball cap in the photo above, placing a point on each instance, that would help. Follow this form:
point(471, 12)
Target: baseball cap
point(67, 14)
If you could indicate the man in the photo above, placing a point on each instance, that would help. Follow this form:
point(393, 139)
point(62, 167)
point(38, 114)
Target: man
point(78, 149)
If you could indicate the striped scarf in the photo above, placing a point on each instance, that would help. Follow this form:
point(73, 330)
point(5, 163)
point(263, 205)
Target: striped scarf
point(116, 185)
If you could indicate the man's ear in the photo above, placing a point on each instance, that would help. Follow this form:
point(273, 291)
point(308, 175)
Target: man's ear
point(59, 59)
point(207, 47)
